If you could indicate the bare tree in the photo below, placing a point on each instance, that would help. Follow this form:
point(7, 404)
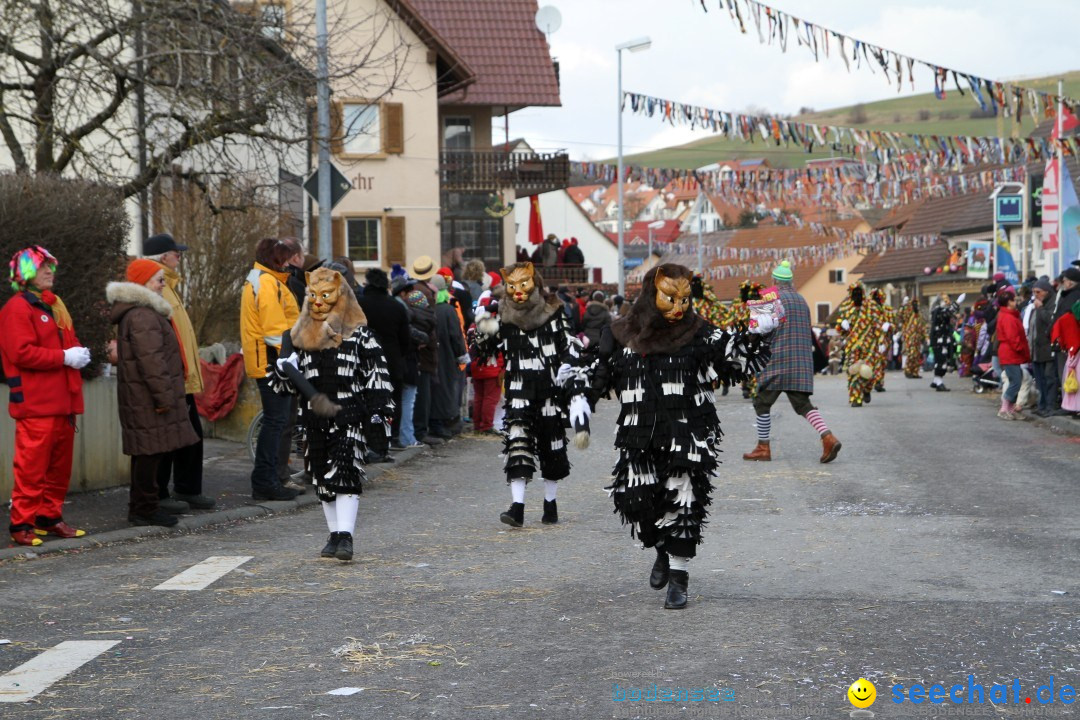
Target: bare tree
point(125, 91)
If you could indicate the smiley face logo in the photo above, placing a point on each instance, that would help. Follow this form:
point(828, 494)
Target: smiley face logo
point(862, 693)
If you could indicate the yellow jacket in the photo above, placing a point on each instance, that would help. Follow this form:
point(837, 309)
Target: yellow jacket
point(188, 344)
point(267, 311)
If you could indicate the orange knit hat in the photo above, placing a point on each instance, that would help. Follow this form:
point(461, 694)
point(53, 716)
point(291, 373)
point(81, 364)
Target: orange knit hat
point(141, 270)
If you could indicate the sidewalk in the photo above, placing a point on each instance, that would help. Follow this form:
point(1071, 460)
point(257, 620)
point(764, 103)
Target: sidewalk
point(226, 478)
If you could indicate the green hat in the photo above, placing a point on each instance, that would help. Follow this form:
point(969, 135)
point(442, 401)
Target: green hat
point(783, 271)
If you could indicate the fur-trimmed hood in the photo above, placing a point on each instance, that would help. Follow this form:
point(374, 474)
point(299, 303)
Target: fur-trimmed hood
point(530, 314)
point(644, 329)
point(124, 296)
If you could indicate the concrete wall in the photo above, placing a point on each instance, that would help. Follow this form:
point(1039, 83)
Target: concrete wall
point(99, 461)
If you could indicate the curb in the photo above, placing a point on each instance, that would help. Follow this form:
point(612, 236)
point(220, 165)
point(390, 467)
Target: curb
point(195, 522)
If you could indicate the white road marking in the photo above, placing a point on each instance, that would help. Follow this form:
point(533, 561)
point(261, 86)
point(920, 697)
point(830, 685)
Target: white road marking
point(199, 576)
point(37, 674)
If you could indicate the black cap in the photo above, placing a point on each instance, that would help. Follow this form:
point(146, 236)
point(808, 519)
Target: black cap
point(161, 244)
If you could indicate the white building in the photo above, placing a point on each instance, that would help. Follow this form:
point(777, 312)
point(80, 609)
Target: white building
point(563, 217)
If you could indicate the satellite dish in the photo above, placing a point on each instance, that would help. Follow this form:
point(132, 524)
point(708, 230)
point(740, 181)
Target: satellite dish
point(548, 19)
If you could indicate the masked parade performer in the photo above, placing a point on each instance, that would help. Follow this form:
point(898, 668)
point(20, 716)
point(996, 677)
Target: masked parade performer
point(740, 317)
point(942, 324)
point(662, 361)
point(790, 370)
point(709, 307)
point(913, 329)
point(858, 322)
point(887, 316)
point(340, 370)
point(533, 334)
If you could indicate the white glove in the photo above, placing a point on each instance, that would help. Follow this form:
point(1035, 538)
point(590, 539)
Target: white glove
point(77, 357)
point(881, 348)
point(886, 326)
point(464, 359)
point(846, 325)
point(906, 299)
point(579, 410)
point(961, 298)
point(565, 373)
point(488, 326)
point(291, 360)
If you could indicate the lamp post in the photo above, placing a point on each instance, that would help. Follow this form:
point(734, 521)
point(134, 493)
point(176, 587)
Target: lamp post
point(636, 45)
point(653, 226)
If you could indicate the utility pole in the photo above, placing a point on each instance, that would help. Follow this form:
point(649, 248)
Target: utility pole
point(322, 78)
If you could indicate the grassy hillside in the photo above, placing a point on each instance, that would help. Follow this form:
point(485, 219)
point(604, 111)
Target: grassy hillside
point(922, 114)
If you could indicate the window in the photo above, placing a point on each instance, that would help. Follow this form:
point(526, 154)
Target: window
point(361, 129)
point(362, 242)
point(837, 276)
point(457, 133)
point(272, 16)
point(823, 312)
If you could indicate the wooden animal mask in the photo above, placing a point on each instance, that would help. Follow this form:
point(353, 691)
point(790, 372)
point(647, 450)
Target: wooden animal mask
point(672, 296)
point(323, 292)
point(520, 282)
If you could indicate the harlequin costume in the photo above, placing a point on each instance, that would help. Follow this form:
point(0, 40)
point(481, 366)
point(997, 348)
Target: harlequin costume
point(913, 336)
point(662, 361)
point(790, 370)
point(857, 320)
point(533, 334)
point(942, 322)
point(41, 358)
point(350, 412)
point(888, 321)
point(708, 306)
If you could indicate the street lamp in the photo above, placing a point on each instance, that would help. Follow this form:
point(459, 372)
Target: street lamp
point(653, 226)
point(636, 45)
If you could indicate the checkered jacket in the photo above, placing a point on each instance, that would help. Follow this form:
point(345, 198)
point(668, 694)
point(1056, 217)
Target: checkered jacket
point(791, 367)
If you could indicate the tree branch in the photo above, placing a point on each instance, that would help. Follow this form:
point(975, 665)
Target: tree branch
point(71, 139)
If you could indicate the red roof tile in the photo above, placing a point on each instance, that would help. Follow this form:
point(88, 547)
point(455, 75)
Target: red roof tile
point(901, 263)
point(501, 43)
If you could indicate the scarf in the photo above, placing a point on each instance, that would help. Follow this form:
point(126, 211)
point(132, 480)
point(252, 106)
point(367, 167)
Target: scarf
point(59, 311)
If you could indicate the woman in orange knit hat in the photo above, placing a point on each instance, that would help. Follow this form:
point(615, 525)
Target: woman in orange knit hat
point(150, 390)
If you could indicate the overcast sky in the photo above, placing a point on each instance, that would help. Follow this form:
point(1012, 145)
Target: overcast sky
point(703, 59)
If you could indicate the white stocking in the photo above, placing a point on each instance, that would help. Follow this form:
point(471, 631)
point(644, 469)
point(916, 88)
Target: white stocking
point(347, 505)
point(330, 511)
point(551, 489)
point(517, 491)
point(678, 563)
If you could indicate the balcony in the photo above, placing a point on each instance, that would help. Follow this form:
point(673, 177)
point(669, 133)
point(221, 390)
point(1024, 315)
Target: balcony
point(488, 170)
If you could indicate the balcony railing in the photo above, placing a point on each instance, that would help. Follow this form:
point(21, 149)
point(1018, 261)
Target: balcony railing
point(487, 170)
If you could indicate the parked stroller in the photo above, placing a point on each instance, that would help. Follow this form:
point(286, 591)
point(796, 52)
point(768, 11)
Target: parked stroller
point(983, 378)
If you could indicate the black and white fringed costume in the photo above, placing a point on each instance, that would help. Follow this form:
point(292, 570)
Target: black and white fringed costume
point(353, 376)
point(535, 339)
point(663, 373)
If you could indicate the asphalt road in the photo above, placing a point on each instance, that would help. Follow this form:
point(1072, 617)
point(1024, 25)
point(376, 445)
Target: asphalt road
point(929, 551)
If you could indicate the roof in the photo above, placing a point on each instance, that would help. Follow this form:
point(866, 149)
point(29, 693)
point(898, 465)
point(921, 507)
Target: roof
point(639, 231)
point(500, 41)
point(581, 192)
point(898, 215)
point(901, 262)
point(952, 215)
point(454, 71)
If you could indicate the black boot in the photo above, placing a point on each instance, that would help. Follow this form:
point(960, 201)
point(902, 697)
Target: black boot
point(515, 516)
point(344, 546)
point(659, 576)
point(331, 545)
point(879, 388)
point(676, 590)
point(867, 397)
point(551, 513)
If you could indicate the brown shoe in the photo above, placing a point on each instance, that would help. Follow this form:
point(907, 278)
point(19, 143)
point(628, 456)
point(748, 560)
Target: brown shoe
point(830, 447)
point(760, 452)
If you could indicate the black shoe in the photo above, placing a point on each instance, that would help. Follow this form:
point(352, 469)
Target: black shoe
point(198, 501)
point(374, 458)
point(515, 516)
point(173, 506)
point(659, 576)
point(275, 493)
point(158, 517)
point(330, 549)
point(726, 390)
point(551, 513)
point(941, 388)
point(676, 590)
point(344, 546)
point(879, 388)
point(432, 441)
point(396, 446)
point(856, 403)
point(866, 397)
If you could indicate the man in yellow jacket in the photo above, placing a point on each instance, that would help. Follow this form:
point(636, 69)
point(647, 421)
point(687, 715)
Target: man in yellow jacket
point(186, 464)
point(268, 310)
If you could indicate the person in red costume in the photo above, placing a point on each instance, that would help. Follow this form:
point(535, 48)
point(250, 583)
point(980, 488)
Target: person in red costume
point(41, 358)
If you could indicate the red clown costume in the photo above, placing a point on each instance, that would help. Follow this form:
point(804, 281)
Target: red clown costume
point(41, 359)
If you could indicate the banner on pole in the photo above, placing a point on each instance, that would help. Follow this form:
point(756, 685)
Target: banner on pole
point(1003, 259)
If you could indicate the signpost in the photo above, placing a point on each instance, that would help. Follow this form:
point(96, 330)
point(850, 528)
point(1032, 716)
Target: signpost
point(339, 186)
point(1009, 209)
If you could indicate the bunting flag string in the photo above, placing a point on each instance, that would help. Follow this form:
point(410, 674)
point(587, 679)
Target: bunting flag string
point(849, 183)
point(777, 27)
point(880, 147)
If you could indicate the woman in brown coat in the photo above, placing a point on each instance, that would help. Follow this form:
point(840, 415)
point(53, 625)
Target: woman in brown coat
point(150, 372)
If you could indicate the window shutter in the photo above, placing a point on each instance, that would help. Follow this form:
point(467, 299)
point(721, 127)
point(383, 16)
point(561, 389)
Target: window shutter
point(395, 239)
point(337, 237)
point(394, 130)
point(337, 128)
